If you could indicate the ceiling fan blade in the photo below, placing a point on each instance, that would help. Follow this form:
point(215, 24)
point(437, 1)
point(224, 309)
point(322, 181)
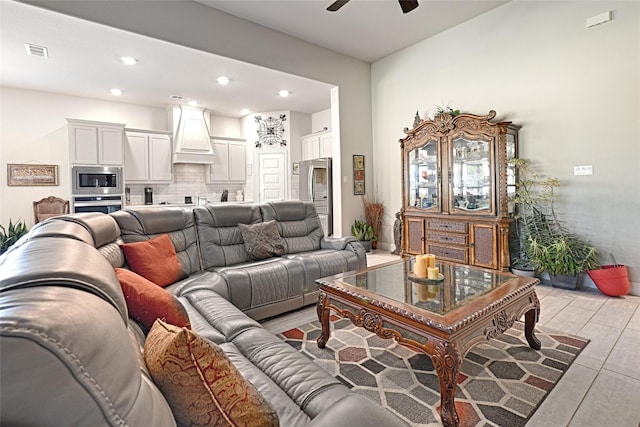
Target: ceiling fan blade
point(407, 5)
point(337, 5)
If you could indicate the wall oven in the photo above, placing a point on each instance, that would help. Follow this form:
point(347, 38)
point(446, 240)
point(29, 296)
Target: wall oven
point(96, 189)
point(104, 204)
point(96, 180)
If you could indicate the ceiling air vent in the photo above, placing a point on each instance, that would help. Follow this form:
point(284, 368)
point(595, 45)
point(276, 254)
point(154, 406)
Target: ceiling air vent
point(179, 98)
point(34, 50)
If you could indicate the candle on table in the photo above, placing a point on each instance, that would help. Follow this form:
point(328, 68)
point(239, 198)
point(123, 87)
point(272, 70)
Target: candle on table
point(433, 273)
point(420, 267)
point(431, 260)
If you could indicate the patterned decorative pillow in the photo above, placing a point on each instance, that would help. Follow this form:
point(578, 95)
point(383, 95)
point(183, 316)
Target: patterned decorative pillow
point(200, 383)
point(155, 260)
point(262, 240)
point(147, 301)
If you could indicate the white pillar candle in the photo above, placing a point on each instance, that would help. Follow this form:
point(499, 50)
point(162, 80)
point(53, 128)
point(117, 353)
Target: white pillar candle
point(420, 267)
point(433, 273)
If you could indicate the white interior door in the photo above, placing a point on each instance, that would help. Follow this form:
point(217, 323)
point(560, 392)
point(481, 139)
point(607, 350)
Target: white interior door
point(272, 177)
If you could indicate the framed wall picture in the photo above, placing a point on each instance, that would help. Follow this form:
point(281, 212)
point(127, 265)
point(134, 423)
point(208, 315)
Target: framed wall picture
point(358, 175)
point(31, 175)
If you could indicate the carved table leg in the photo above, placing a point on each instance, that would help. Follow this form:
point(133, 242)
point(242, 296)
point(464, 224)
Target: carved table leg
point(530, 319)
point(323, 316)
point(447, 361)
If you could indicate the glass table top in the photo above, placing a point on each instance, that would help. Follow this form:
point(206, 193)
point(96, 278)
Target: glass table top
point(461, 285)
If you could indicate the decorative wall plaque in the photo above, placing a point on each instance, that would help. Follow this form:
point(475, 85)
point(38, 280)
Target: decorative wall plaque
point(271, 130)
point(26, 174)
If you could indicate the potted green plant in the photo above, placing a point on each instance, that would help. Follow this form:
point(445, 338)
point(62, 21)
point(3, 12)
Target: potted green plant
point(363, 232)
point(11, 235)
point(543, 242)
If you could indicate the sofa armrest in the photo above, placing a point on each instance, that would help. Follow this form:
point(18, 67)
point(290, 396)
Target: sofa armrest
point(337, 243)
point(355, 410)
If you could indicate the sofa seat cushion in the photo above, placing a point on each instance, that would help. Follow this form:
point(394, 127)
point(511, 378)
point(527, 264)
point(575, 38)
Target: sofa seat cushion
point(200, 383)
point(310, 387)
point(323, 263)
point(219, 313)
point(262, 240)
point(259, 283)
point(147, 301)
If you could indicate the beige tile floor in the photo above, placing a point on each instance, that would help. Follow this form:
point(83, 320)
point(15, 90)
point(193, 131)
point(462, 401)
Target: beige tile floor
point(602, 386)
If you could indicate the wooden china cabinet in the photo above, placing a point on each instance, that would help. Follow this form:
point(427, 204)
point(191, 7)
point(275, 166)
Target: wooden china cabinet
point(456, 183)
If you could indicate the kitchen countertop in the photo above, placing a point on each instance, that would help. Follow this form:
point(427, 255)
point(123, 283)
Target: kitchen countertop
point(187, 205)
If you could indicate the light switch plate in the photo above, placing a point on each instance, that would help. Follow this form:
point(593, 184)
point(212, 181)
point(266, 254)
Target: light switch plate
point(583, 170)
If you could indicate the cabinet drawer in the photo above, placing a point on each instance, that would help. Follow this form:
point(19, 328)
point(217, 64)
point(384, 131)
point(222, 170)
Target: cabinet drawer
point(450, 253)
point(452, 226)
point(448, 238)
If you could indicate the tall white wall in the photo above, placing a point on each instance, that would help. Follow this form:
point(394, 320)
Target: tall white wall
point(575, 91)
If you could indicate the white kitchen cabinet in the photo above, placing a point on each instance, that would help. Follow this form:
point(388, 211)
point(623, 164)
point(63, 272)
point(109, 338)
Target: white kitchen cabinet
point(316, 145)
point(95, 143)
point(326, 146)
point(147, 157)
point(230, 161)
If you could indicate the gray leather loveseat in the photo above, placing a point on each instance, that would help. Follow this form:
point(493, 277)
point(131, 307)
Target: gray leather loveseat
point(71, 355)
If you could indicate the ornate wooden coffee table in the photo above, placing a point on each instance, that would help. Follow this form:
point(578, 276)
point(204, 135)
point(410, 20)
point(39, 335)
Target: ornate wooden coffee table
point(443, 320)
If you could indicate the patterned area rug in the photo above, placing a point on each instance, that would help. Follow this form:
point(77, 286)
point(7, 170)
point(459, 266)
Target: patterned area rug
point(501, 382)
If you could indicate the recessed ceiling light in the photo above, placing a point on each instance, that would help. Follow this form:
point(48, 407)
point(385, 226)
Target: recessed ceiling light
point(223, 80)
point(245, 111)
point(115, 91)
point(283, 93)
point(128, 60)
point(193, 102)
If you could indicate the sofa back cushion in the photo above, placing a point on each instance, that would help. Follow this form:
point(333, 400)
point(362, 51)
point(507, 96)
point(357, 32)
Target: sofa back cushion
point(104, 232)
point(221, 241)
point(140, 224)
point(298, 224)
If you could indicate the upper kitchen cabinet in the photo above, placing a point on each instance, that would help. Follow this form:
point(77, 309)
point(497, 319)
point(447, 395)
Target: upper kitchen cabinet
point(317, 145)
point(95, 143)
point(230, 161)
point(147, 156)
point(455, 195)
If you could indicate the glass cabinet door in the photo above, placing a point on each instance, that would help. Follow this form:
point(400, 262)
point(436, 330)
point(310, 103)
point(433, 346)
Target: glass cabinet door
point(424, 177)
point(471, 175)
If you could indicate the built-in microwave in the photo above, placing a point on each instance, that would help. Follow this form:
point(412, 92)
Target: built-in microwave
point(97, 180)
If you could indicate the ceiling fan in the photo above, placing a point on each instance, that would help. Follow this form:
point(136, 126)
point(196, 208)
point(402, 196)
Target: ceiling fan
point(406, 5)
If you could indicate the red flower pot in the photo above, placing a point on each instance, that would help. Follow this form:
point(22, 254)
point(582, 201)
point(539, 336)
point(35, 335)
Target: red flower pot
point(611, 280)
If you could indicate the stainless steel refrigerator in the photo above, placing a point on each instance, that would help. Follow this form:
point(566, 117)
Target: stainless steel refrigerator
point(315, 186)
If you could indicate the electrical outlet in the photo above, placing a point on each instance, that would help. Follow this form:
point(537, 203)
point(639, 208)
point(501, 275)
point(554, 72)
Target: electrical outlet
point(345, 179)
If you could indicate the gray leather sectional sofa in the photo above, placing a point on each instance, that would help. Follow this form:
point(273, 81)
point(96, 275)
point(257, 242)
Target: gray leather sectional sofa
point(70, 354)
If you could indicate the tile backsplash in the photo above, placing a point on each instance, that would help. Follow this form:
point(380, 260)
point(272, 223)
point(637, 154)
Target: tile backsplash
point(188, 180)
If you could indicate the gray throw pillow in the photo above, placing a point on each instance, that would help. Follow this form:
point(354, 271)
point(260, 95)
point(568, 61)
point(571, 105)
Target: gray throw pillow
point(262, 240)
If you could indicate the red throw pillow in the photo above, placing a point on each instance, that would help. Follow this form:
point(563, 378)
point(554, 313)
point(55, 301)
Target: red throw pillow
point(155, 260)
point(147, 301)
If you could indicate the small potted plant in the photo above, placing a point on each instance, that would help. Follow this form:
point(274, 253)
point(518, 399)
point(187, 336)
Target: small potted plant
point(363, 232)
point(11, 235)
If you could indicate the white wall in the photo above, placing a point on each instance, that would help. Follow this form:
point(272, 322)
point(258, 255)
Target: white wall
point(228, 127)
point(321, 121)
point(33, 130)
point(575, 91)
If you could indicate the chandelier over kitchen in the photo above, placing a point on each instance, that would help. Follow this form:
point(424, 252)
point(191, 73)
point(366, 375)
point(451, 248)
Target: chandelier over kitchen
point(270, 131)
